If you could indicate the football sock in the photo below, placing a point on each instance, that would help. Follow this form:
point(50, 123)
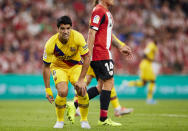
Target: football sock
point(151, 88)
point(92, 92)
point(83, 104)
point(76, 101)
point(113, 99)
point(104, 104)
point(138, 83)
point(60, 103)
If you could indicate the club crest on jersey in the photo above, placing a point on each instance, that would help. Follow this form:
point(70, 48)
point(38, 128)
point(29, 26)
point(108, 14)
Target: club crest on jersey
point(96, 19)
point(72, 49)
point(54, 73)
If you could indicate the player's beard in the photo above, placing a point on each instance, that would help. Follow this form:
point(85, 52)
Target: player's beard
point(64, 40)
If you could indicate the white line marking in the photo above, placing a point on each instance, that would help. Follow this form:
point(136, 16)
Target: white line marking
point(164, 115)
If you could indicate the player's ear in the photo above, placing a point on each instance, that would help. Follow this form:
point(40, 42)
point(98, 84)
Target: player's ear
point(57, 30)
point(70, 26)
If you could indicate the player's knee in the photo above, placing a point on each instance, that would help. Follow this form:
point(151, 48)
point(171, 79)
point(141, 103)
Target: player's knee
point(62, 89)
point(108, 84)
point(62, 92)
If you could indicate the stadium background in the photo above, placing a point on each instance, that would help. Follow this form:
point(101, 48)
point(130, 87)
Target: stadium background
point(25, 25)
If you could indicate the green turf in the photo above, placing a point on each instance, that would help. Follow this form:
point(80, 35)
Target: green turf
point(38, 115)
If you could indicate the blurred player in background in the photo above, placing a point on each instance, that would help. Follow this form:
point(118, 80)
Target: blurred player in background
point(118, 109)
point(62, 56)
point(147, 74)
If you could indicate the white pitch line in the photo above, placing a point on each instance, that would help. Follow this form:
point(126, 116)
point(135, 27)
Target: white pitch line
point(164, 115)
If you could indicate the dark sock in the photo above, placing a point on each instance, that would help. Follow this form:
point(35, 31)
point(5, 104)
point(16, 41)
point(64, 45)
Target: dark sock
point(76, 104)
point(104, 104)
point(92, 92)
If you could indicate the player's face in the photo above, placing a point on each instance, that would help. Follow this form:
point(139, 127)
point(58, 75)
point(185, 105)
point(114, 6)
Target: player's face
point(64, 31)
point(109, 2)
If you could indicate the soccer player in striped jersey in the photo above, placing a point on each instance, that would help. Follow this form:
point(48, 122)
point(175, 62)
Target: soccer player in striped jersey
point(99, 42)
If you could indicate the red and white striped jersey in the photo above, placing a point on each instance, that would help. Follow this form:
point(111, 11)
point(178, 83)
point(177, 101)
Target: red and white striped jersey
point(102, 22)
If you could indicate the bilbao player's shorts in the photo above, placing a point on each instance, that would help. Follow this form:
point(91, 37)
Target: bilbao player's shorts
point(103, 69)
point(64, 75)
point(146, 71)
point(91, 72)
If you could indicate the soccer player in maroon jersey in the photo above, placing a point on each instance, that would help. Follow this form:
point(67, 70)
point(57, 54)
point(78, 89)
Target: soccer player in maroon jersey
point(99, 43)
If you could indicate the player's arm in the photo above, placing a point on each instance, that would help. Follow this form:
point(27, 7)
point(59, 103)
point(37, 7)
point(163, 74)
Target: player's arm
point(121, 46)
point(80, 84)
point(86, 63)
point(86, 58)
point(87, 55)
point(116, 42)
point(90, 40)
point(46, 78)
point(47, 57)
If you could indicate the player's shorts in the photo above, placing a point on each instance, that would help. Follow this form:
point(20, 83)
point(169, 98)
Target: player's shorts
point(146, 71)
point(91, 72)
point(64, 75)
point(103, 69)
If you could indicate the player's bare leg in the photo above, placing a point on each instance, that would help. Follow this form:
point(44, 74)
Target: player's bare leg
point(106, 87)
point(151, 88)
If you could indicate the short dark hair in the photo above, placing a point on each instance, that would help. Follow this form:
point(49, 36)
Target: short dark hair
point(64, 20)
point(96, 2)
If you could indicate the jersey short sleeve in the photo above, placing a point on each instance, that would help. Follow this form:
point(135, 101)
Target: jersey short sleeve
point(48, 51)
point(83, 47)
point(96, 18)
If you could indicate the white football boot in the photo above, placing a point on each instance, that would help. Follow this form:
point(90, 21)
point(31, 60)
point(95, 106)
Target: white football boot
point(59, 124)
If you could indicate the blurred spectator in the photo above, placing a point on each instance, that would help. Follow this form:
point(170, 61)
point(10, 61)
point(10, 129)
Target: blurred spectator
point(26, 25)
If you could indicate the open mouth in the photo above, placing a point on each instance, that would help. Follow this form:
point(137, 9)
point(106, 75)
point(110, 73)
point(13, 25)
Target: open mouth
point(66, 35)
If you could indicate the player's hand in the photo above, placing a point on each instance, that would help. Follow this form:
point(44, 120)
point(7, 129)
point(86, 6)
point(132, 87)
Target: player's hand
point(49, 95)
point(126, 50)
point(80, 87)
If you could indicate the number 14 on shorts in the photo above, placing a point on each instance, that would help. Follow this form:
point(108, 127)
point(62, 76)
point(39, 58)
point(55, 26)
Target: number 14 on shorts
point(110, 66)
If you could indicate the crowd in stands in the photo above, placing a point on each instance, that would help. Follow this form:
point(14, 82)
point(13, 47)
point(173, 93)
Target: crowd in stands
point(25, 26)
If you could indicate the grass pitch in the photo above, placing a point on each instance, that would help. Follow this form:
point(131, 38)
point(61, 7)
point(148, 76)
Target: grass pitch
point(39, 115)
